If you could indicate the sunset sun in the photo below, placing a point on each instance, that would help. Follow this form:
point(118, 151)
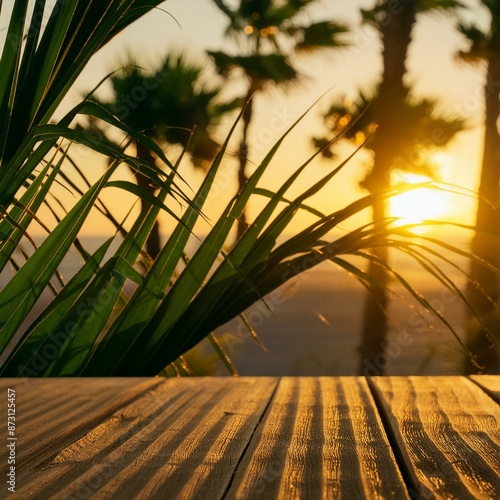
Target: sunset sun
point(418, 205)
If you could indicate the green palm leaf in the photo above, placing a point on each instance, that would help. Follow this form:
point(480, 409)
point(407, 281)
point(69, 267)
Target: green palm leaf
point(23, 290)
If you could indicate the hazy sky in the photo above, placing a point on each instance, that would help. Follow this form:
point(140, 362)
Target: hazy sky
point(196, 25)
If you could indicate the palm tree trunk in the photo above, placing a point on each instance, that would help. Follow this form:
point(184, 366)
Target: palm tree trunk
point(153, 243)
point(396, 36)
point(243, 158)
point(484, 245)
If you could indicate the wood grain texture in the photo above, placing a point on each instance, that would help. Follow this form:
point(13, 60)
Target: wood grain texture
point(447, 432)
point(320, 438)
point(265, 438)
point(182, 439)
point(52, 413)
point(490, 383)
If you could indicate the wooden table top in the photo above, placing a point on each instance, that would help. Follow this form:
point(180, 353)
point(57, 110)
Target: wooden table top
point(252, 437)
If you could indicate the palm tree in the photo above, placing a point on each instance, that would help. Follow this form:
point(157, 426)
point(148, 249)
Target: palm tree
point(268, 33)
point(483, 287)
point(167, 105)
point(399, 120)
point(357, 120)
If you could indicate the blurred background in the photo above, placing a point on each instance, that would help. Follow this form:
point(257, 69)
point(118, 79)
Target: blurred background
point(416, 78)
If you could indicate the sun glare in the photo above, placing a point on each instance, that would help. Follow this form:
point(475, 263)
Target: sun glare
point(416, 206)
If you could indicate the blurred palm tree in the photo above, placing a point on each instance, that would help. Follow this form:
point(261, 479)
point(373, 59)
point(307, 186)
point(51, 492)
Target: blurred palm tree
point(356, 121)
point(167, 105)
point(403, 124)
point(483, 287)
point(268, 32)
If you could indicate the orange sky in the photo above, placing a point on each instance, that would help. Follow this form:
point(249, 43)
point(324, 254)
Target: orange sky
point(432, 70)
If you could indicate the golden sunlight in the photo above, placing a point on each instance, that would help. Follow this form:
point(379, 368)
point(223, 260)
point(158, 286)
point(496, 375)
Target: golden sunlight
point(416, 206)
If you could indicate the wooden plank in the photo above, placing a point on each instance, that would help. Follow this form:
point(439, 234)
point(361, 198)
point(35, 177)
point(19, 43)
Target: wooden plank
point(52, 413)
point(490, 383)
point(447, 434)
point(182, 439)
point(320, 438)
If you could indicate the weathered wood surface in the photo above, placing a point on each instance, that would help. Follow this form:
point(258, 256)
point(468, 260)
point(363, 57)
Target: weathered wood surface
point(446, 430)
point(265, 438)
point(490, 383)
point(51, 413)
point(322, 436)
